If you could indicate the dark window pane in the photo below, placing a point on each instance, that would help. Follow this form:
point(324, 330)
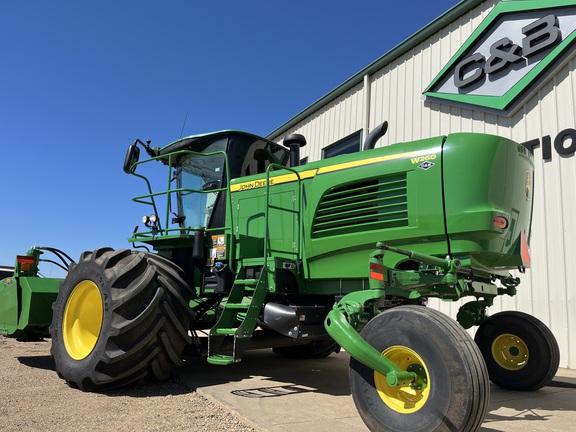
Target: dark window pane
point(347, 145)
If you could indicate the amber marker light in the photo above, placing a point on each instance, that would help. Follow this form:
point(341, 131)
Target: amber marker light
point(524, 251)
point(25, 262)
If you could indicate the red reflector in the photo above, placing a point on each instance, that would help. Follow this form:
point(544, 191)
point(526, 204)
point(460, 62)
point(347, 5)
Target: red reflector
point(377, 276)
point(376, 267)
point(524, 251)
point(500, 222)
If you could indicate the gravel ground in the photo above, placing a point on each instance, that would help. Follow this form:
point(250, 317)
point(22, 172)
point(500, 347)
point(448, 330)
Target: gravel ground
point(33, 398)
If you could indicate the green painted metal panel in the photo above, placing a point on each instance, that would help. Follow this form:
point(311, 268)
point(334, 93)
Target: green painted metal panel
point(390, 194)
point(486, 177)
point(25, 305)
point(8, 305)
point(349, 202)
point(36, 294)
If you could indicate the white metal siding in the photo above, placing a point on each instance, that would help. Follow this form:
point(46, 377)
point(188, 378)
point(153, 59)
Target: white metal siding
point(335, 121)
point(548, 289)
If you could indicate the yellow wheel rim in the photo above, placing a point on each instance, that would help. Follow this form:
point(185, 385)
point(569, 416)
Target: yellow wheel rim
point(404, 400)
point(82, 320)
point(510, 352)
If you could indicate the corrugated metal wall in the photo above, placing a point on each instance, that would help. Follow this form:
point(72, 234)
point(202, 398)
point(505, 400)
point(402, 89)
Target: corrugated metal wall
point(333, 122)
point(548, 289)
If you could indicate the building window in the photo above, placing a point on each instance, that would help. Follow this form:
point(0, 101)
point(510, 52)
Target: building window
point(350, 144)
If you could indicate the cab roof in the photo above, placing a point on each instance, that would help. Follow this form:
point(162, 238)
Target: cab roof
point(198, 142)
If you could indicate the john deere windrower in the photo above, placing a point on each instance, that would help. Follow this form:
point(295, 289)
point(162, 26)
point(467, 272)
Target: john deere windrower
point(243, 247)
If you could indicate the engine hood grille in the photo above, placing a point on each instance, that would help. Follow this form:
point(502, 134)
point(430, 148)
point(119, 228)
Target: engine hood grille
point(374, 205)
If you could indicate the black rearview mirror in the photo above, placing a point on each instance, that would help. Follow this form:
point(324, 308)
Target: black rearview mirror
point(132, 156)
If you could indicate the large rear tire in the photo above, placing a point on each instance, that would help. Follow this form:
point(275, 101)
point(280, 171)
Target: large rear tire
point(120, 317)
point(435, 347)
point(521, 353)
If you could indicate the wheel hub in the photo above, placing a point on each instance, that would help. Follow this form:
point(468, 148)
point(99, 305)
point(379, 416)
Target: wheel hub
point(510, 352)
point(82, 320)
point(404, 399)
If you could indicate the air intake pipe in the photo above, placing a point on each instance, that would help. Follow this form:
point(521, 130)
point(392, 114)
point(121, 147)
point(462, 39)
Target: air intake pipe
point(294, 142)
point(373, 137)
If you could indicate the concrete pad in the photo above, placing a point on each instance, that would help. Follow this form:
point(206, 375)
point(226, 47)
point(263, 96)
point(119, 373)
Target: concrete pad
point(278, 395)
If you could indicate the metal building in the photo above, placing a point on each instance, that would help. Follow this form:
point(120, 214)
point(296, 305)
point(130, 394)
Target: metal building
point(506, 68)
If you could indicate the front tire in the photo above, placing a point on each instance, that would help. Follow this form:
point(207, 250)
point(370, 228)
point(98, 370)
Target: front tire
point(521, 353)
point(120, 317)
point(456, 392)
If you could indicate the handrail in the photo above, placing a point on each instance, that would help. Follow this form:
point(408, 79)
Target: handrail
point(168, 160)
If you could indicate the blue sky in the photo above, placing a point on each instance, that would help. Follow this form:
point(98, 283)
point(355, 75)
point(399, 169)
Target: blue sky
point(81, 80)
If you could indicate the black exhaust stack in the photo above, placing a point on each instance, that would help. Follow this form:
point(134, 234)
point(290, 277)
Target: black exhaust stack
point(375, 135)
point(294, 142)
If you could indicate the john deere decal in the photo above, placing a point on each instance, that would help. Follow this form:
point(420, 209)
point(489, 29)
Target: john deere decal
point(513, 49)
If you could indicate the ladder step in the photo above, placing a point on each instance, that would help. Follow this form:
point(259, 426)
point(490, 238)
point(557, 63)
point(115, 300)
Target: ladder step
point(225, 331)
point(245, 281)
point(237, 306)
point(219, 359)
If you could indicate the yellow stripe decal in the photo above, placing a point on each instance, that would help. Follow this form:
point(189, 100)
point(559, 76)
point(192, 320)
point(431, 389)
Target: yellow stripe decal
point(354, 164)
point(286, 178)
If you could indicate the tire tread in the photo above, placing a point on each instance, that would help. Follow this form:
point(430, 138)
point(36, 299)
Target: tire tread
point(145, 327)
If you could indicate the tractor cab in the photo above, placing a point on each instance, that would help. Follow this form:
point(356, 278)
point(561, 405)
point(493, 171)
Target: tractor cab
point(222, 156)
point(201, 167)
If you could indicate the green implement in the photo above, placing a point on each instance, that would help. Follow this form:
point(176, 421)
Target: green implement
point(25, 299)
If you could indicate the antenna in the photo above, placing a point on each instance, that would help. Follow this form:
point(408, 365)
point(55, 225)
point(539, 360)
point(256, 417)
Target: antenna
point(185, 118)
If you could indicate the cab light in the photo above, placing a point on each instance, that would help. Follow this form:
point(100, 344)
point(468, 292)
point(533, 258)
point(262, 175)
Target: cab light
point(500, 222)
point(150, 221)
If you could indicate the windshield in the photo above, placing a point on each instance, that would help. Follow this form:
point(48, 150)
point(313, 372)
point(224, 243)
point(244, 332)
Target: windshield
point(201, 175)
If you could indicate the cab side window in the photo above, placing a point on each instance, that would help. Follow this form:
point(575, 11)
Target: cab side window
point(248, 156)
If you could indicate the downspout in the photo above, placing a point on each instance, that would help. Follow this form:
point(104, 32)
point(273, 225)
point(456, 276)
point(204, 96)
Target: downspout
point(367, 97)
